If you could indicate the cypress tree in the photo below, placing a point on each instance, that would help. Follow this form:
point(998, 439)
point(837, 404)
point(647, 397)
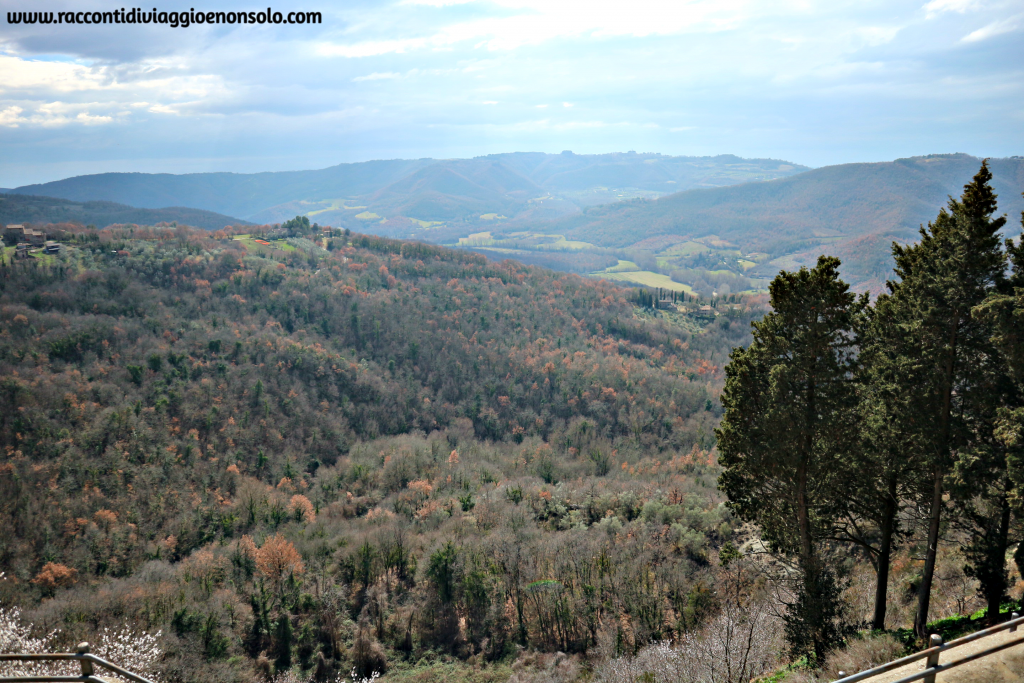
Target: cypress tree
point(998, 465)
point(952, 269)
point(889, 456)
point(790, 416)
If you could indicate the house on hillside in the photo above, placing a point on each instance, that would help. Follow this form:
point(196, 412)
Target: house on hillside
point(15, 233)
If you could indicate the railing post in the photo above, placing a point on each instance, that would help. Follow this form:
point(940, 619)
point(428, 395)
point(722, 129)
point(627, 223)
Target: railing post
point(933, 658)
point(83, 649)
point(1013, 615)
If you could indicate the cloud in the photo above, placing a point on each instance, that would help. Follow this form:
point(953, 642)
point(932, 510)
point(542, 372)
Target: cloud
point(937, 7)
point(10, 117)
point(814, 81)
point(58, 114)
point(377, 76)
point(996, 28)
point(532, 22)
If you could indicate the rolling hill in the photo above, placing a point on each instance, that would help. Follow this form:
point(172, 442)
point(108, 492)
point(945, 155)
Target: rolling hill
point(21, 208)
point(854, 211)
point(423, 189)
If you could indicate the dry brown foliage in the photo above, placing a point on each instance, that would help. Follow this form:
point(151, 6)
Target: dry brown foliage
point(277, 558)
point(302, 508)
point(53, 576)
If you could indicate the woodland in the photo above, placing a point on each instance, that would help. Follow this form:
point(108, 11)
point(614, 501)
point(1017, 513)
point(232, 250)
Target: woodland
point(377, 456)
point(319, 458)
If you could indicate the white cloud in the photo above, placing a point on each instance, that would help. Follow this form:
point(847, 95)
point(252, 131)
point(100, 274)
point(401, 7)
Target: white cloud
point(994, 29)
point(937, 7)
point(10, 117)
point(567, 104)
point(377, 76)
point(531, 22)
point(57, 114)
point(90, 120)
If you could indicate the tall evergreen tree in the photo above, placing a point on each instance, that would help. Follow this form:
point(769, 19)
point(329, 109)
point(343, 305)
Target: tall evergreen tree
point(1003, 310)
point(888, 457)
point(957, 263)
point(789, 418)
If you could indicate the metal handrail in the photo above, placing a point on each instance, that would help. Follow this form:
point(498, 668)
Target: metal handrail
point(932, 666)
point(81, 654)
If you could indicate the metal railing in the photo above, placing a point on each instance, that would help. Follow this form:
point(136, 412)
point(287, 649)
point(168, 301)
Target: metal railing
point(81, 654)
point(931, 655)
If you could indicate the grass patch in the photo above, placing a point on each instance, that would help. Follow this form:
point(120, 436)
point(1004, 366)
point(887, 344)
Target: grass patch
point(425, 224)
point(647, 279)
point(332, 205)
point(562, 244)
point(367, 216)
point(250, 244)
point(622, 267)
point(492, 217)
point(684, 249)
point(477, 239)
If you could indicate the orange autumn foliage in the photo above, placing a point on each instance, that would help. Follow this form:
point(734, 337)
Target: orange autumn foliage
point(278, 558)
point(53, 576)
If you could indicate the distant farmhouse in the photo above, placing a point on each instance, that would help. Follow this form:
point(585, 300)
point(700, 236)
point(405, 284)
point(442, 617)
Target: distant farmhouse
point(16, 233)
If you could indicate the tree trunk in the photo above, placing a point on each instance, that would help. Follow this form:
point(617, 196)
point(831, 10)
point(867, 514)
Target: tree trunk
point(935, 513)
point(885, 555)
point(924, 591)
point(997, 561)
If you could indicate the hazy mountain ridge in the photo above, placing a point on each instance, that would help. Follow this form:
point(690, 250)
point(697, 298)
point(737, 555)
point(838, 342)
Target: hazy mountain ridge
point(20, 208)
point(459, 189)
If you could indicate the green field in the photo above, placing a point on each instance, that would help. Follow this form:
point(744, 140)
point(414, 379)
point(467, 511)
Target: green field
point(562, 244)
point(623, 267)
point(647, 279)
point(531, 241)
point(684, 249)
point(367, 216)
point(332, 205)
point(422, 224)
point(250, 244)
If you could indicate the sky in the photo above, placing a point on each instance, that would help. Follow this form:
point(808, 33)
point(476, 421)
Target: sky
point(808, 81)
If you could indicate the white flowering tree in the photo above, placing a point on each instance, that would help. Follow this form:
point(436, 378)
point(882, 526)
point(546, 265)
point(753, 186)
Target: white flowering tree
point(136, 651)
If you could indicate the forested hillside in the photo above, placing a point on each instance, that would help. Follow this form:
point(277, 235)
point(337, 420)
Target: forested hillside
point(21, 208)
point(854, 211)
point(381, 456)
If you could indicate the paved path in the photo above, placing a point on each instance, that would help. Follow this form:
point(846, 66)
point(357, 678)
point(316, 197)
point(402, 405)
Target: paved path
point(1002, 667)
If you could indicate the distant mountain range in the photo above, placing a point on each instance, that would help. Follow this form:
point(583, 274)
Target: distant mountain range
point(665, 211)
point(20, 208)
point(517, 185)
point(854, 211)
